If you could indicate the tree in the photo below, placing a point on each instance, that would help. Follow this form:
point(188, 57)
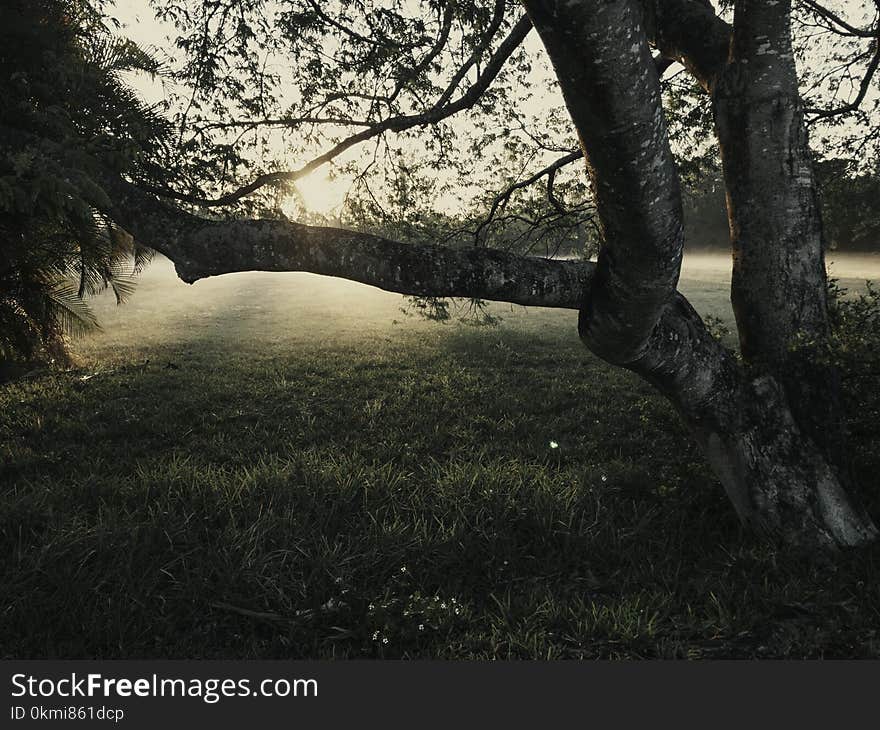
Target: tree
point(67, 119)
point(849, 205)
point(769, 421)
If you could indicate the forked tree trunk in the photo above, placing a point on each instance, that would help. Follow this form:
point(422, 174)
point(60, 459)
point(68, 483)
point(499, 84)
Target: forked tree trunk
point(772, 428)
point(779, 482)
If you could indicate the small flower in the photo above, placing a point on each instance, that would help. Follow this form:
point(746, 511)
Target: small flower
point(403, 569)
point(375, 636)
point(370, 607)
point(554, 445)
point(604, 478)
point(421, 627)
point(442, 605)
point(385, 640)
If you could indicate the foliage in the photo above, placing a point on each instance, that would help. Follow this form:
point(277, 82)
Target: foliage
point(244, 109)
point(850, 210)
point(266, 87)
point(856, 325)
point(837, 64)
point(67, 119)
point(475, 312)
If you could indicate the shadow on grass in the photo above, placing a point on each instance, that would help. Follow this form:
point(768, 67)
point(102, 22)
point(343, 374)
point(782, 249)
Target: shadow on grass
point(468, 494)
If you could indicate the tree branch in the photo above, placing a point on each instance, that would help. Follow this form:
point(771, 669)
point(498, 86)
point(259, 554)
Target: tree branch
point(832, 17)
point(430, 56)
point(438, 112)
point(503, 197)
point(864, 86)
point(690, 32)
point(200, 248)
point(286, 122)
point(612, 91)
point(481, 48)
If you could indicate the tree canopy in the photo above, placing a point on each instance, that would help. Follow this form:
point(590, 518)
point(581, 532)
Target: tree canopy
point(402, 99)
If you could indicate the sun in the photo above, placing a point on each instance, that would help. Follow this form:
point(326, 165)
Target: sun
point(318, 192)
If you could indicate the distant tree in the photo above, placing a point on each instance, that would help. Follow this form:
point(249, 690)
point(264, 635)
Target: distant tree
point(66, 121)
point(848, 200)
point(394, 76)
point(705, 210)
point(850, 205)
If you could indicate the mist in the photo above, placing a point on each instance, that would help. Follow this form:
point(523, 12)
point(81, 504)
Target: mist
point(262, 310)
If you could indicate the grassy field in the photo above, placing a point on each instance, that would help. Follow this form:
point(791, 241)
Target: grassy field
point(282, 466)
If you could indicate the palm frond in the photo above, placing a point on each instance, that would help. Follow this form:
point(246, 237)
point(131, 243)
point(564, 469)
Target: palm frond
point(70, 310)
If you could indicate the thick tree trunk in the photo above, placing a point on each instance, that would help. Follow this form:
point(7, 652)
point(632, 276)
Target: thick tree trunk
point(778, 289)
point(779, 483)
point(773, 430)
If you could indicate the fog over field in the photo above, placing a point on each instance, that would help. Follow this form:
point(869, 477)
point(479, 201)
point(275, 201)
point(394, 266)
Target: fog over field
point(260, 310)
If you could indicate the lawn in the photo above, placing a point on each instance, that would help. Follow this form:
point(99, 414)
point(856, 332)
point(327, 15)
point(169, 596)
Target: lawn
point(278, 466)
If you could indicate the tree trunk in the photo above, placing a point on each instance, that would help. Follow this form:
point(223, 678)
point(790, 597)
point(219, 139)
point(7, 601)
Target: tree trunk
point(780, 484)
point(778, 481)
point(772, 430)
point(778, 289)
point(779, 285)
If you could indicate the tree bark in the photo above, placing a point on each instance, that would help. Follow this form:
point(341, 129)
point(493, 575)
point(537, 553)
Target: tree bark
point(612, 91)
point(201, 248)
point(779, 483)
point(779, 285)
point(760, 427)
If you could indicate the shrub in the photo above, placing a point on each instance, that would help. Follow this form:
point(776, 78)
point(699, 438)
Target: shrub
point(66, 121)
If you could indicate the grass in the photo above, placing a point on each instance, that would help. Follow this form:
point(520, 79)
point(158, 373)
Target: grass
point(226, 487)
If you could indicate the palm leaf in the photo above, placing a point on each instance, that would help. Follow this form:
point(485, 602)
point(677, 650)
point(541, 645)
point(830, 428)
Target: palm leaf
point(70, 310)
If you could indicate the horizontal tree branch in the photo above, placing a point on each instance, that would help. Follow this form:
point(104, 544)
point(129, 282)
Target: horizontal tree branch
point(201, 248)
